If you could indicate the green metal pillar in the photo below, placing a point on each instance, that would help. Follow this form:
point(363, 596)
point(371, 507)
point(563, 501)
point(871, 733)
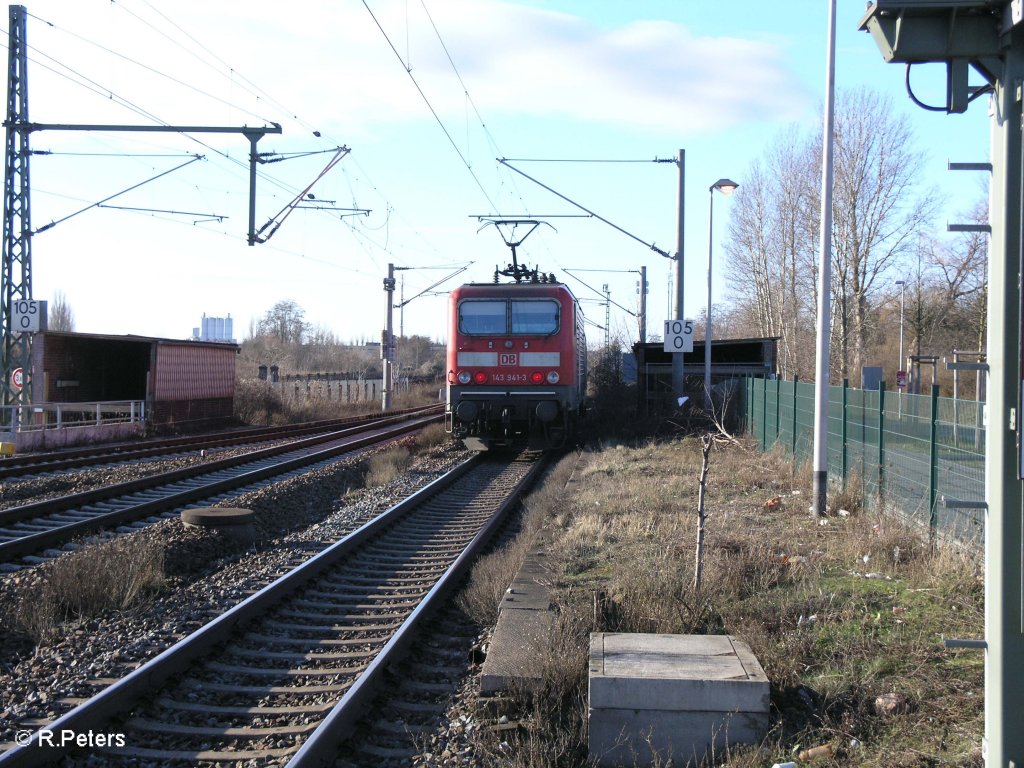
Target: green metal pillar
point(933, 461)
point(881, 440)
point(842, 431)
point(988, 37)
point(1004, 633)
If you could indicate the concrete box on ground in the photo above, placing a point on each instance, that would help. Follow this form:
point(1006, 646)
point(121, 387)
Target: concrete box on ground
point(680, 696)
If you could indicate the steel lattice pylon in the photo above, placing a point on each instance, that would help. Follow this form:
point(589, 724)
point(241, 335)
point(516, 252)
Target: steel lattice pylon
point(16, 279)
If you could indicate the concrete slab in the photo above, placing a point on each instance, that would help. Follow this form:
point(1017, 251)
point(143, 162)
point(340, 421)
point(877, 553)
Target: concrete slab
point(658, 696)
point(523, 627)
point(529, 590)
point(512, 659)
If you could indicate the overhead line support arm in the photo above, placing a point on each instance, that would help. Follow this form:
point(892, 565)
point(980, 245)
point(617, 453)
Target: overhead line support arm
point(652, 246)
point(252, 133)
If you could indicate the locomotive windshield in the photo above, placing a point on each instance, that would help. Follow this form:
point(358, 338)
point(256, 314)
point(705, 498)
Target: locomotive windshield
point(537, 316)
point(483, 316)
point(500, 317)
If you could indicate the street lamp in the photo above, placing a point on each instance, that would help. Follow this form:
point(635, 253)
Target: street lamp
point(726, 187)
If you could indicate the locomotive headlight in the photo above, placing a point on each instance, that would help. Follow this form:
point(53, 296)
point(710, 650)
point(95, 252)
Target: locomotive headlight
point(552, 377)
point(464, 377)
point(536, 377)
point(479, 377)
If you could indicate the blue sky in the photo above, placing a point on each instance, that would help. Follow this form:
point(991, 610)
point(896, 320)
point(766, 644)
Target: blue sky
point(561, 79)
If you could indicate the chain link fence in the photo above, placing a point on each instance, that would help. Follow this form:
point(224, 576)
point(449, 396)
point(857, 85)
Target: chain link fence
point(920, 455)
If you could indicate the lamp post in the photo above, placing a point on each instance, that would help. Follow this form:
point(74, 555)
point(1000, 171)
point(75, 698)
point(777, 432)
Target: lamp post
point(726, 187)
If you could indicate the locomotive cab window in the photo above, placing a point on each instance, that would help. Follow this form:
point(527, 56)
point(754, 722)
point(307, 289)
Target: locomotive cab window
point(482, 316)
point(536, 316)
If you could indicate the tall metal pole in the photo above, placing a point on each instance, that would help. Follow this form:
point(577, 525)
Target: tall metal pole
point(643, 305)
point(388, 340)
point(821, 368)
point(677, 357)
point(899, 389)
point(902, 284)
point(607, 320)
point(16, 276)
point(707, 324)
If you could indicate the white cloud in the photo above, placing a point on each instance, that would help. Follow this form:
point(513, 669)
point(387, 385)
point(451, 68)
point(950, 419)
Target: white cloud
point(327, 62)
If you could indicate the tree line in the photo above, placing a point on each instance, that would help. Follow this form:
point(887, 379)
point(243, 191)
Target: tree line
point(882, 232)
point(284, 338)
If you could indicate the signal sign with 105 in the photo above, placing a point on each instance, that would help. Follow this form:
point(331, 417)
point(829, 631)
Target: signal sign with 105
point(28, 316)
point(678, 336)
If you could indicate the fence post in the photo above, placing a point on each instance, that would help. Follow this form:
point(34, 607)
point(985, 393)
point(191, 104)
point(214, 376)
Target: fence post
point(764, 414)
point(796, 384)
point(933, 462)
point(747, 404)
point(842, 436)
point(778, 409)
point(881, 439)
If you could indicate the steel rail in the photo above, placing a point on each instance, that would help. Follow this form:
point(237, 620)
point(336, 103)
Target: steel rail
point(63, 533)
point(95, 714)
point(321, 747)
point(73, 458)
point(71, 501)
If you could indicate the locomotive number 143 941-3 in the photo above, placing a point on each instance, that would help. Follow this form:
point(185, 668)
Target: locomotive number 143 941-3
point(510, 378)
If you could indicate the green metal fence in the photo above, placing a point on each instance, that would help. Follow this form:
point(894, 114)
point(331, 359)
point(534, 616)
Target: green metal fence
point(922, 455)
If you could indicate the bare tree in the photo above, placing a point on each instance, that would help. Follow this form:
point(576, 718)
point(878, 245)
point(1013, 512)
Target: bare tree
point(285, 321)
point(770, 259)
point(61, 317)
point(963, 266)
point(877, 210)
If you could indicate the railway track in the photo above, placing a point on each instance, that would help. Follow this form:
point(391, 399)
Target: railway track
point(287, 673)
point(43, 526)
point(32, 464)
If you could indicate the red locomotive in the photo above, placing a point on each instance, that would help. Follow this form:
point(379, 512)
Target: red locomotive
point(517, 362)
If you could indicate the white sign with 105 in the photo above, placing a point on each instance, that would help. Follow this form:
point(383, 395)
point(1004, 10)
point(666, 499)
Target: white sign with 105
point(28, 316)
point(678, 336)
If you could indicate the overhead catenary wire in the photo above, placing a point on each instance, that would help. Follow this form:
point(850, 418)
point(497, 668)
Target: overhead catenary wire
point(220, 66)
point(82, 80)
point(432, 285)
point(152, 70)
point(437, 117)
point(604, 297)
point(465, 90)
point(652, 246)
point(52, 224)
point(109, 94)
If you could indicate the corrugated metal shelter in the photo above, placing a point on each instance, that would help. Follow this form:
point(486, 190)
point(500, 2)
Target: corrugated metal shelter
point(185, 385)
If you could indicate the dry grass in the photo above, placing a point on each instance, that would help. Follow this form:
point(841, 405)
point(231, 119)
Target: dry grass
point(431, 436)
point(494, 572)
point(387, 466)
point(837, 613)
point(258, 403)
point(84, 584)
